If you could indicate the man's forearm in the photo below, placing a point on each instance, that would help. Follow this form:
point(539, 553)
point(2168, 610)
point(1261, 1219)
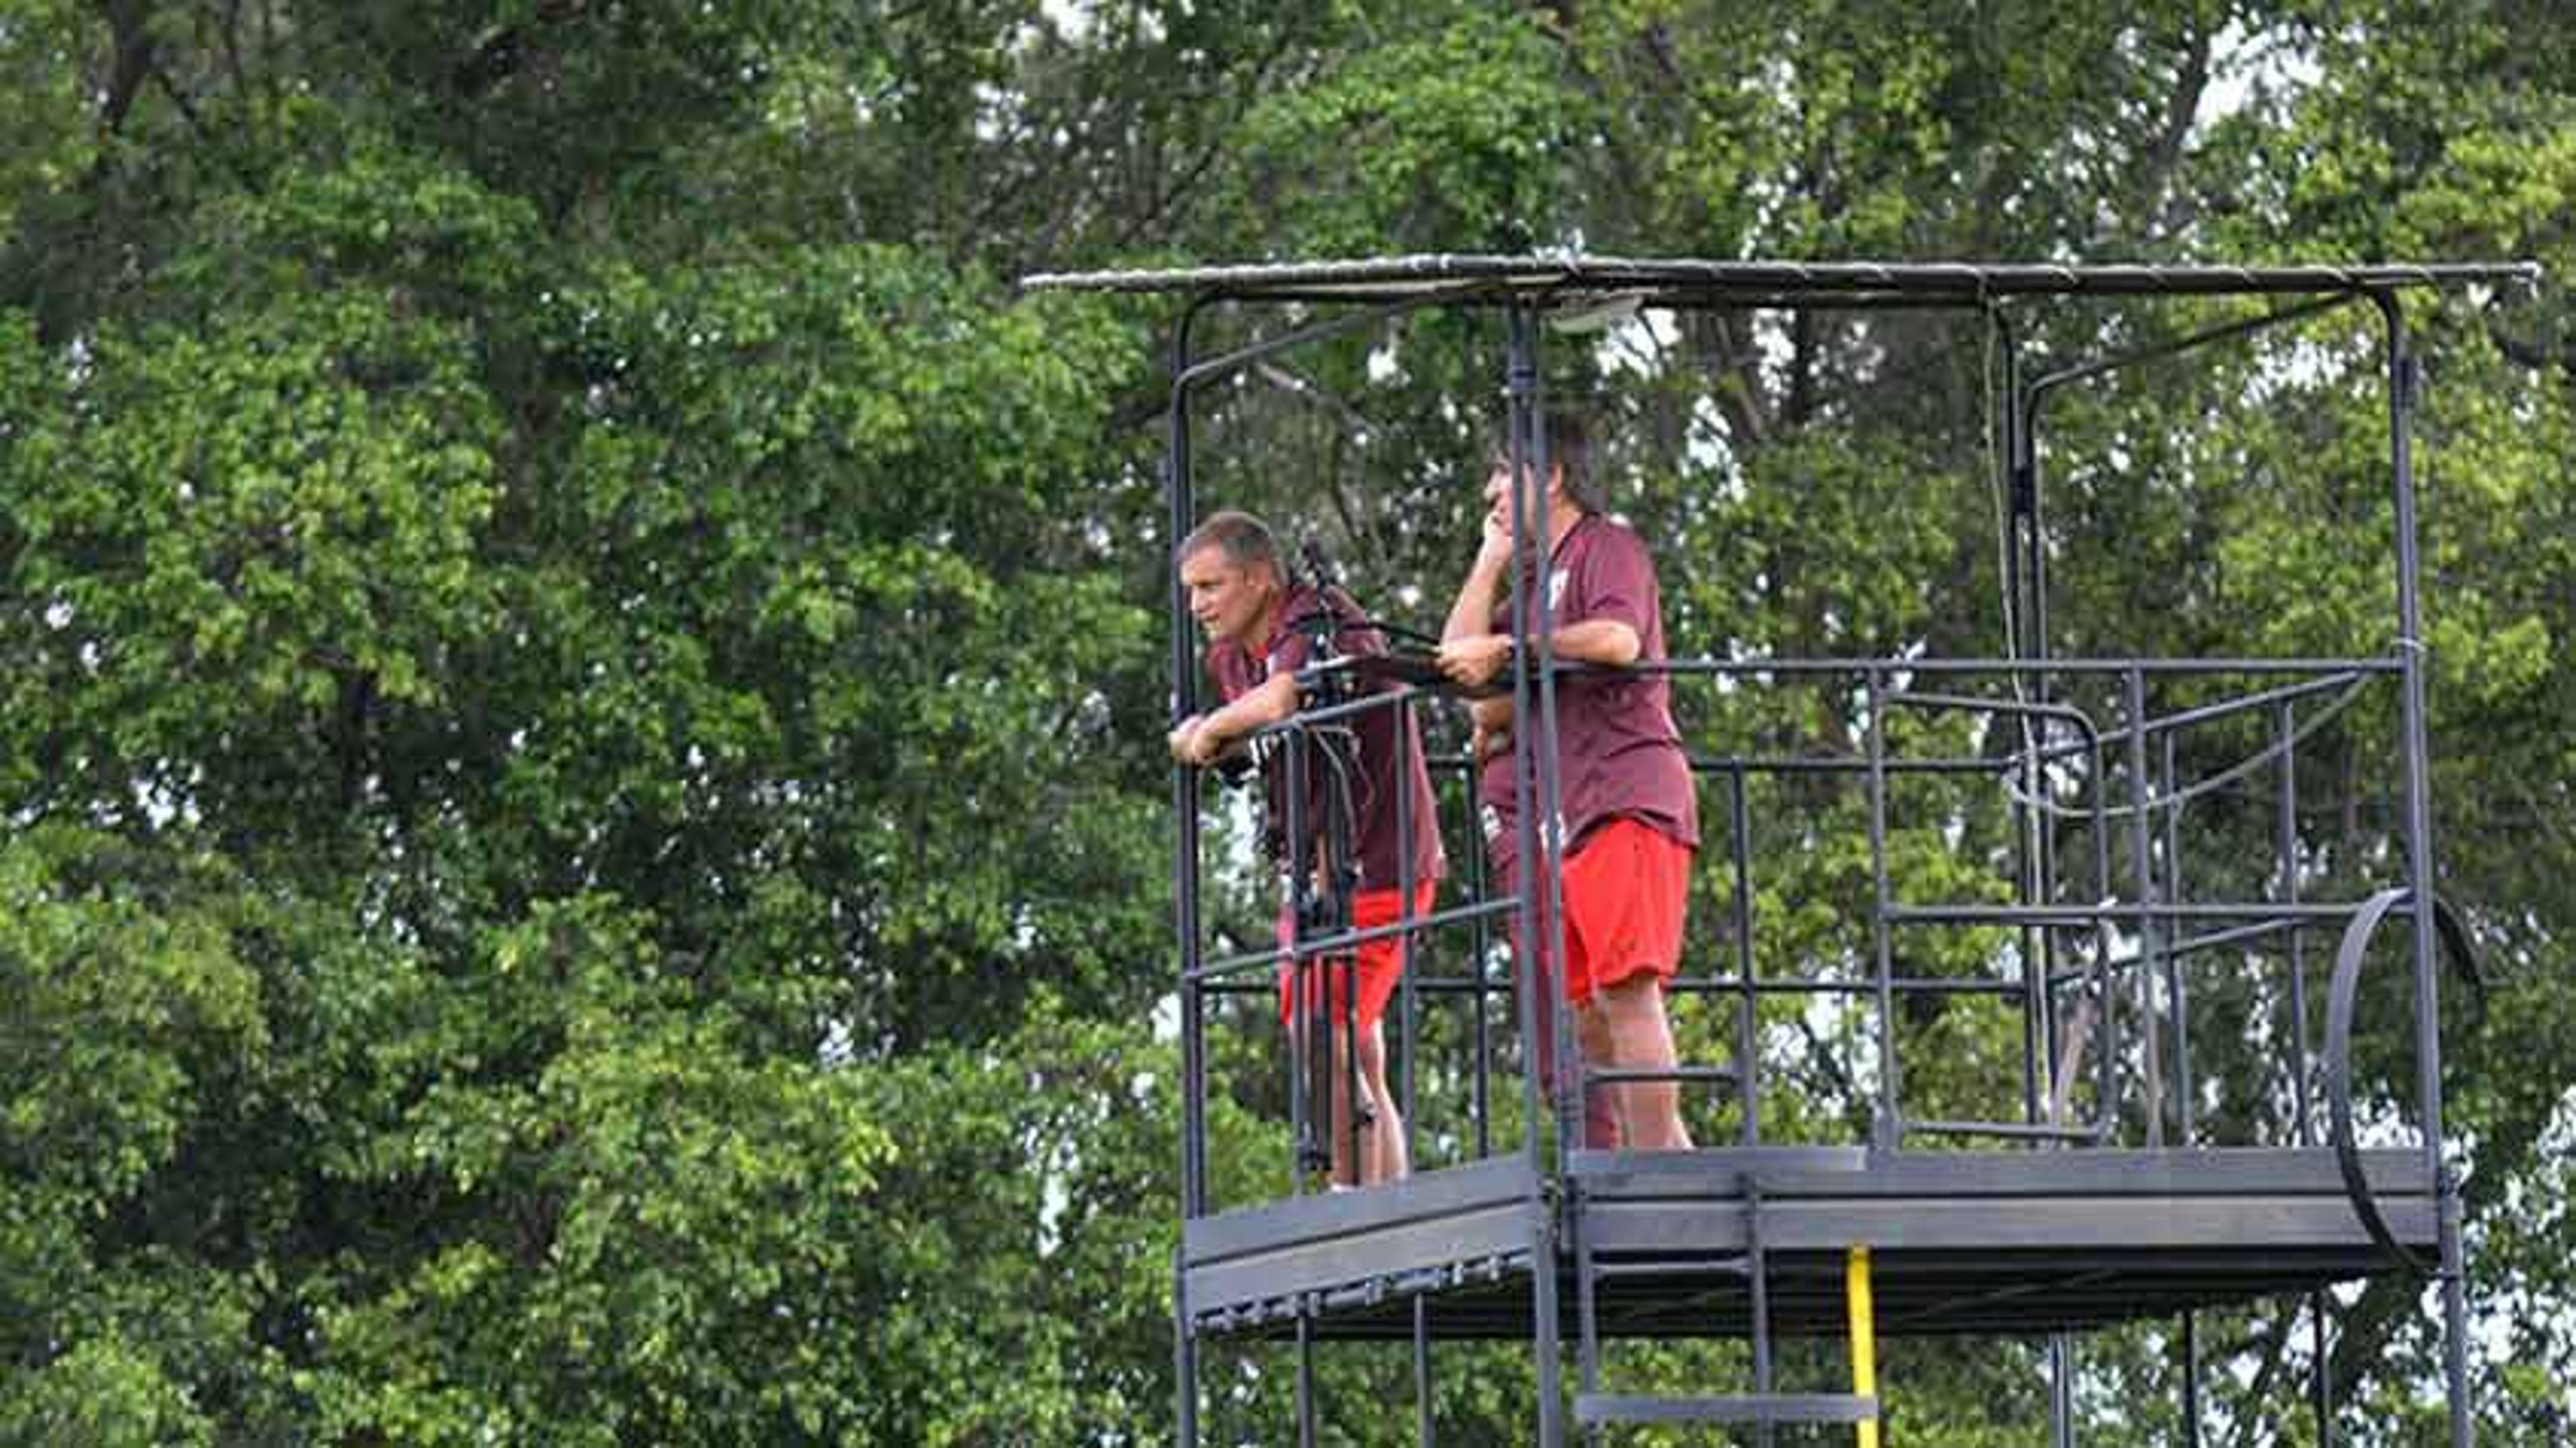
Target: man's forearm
point(1275, 700)
point(1473, 613)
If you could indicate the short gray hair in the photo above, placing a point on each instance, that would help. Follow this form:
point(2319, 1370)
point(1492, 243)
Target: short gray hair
point(1246, 541)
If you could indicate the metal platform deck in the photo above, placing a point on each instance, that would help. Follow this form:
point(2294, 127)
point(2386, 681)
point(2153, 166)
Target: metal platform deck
point(2006, 1242)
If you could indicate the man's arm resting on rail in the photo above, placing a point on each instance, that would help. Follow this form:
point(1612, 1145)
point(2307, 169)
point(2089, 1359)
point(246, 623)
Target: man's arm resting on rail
point(1201, 737)
point(1608, 642)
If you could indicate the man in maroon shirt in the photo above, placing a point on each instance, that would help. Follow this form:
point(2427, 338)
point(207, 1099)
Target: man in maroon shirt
point(1630, 814)
point(1261, 630)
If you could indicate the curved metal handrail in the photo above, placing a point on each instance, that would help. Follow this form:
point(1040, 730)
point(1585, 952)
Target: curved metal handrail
point(2340, 999)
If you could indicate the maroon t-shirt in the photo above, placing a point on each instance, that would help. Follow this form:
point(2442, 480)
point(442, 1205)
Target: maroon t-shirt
point(1619, 752)
point(1375, 790)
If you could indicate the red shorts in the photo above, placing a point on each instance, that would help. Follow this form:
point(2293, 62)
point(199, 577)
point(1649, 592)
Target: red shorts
point(1381, 961)
point(1627, 888)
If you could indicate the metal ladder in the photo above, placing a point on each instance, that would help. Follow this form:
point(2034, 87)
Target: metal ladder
point(1596, 1409)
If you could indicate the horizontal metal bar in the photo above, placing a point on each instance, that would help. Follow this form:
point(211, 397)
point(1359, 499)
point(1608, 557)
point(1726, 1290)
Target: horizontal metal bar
point(1786, 985)
point(2080, 915)
point(2007, 1130)
point(1612, 1075)
point(2194, 944)
point(1674, 1266)
point(1791, 1173)
point(2004, 668)
point(1431, 985)
point(1969, 703)
point(1569, 275)
point(1835, 764)
point(1604, 1408)
point(1340, 942)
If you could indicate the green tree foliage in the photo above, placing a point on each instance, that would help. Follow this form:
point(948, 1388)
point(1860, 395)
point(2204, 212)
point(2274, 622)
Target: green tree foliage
point(585, 847)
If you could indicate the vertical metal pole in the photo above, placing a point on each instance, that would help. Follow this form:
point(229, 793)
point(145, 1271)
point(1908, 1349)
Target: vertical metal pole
point(1185, 1355)
point(1884, 1130)
point(1758, 1260)
point(1178, 513)
point(2321, 1369)
point(2285, 849)
point(1407, 742)
point(1534, 753)
point(2286, 846)
point(2403, 378)
point(2177, 986)
point(2106, 990)
point(2023, 441)
point(2030, 523)
point(1341, 830)
point(1587, 1314)
point(2035, 484)
point(1748, 1037)
point(1538, 516)
point(2038, 989)
point(1307, 1020)
point(2142, 870)
point(1483, 943)
point(1422, 1431)
point(1305, 1373)
point(1408, 1007)
point(2007, 420)
point(1346, 967)
point(2030, 495)
point(2190, 1379)
point(2039, 996)
point(2177, 993)
point(2061, 1391)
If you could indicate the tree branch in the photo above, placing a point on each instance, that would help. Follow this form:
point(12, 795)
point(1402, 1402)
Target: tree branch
point(2164, 153)
point(129, 23)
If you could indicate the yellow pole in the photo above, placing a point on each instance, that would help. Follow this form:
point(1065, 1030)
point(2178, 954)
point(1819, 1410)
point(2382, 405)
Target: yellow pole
point(1864, 1341)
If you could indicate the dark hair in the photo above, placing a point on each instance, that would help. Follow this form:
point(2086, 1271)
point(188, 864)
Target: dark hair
point(1246, 541)
point(1569, 452)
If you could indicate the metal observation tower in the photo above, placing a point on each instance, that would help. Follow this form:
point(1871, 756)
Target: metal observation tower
point(2090, 1191)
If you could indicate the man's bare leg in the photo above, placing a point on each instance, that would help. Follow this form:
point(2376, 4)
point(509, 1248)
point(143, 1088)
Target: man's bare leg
point(1345, 1169)
point(1641, 1038)
point(1602, 1106)
point(1382, 1157)
point(1350, 1166)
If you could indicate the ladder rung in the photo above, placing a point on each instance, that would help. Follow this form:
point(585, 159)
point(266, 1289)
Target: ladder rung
point(1766, 1408)
point(1674, 1266)
point(2010, 1130)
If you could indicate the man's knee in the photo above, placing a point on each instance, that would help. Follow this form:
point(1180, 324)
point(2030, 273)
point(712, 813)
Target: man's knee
point(1633, 994)
point(1373, 1048)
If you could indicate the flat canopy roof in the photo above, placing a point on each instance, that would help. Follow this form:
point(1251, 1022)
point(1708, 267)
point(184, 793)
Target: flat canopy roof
point(1570, 279)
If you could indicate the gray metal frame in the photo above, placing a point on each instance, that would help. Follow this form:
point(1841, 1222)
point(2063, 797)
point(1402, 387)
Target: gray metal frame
point(1533, 1216)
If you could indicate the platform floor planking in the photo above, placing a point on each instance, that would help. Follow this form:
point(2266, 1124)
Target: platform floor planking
point(2004, 1242)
